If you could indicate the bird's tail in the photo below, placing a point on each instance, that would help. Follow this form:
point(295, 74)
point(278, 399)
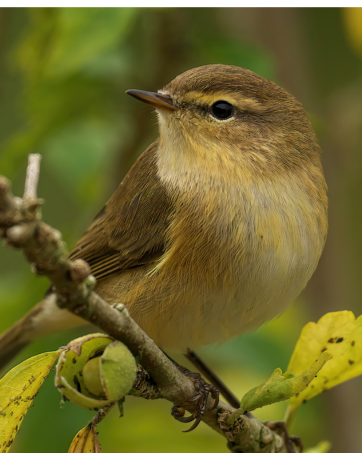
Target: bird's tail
point(44, 319)
point(17, 337)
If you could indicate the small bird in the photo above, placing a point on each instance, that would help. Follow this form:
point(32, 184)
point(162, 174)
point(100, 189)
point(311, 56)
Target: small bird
point(218, 225)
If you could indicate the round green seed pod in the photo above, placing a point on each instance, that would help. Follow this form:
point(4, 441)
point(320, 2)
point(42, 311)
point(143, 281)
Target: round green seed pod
point(117, 370)
point(94, 371)
point(92, 378)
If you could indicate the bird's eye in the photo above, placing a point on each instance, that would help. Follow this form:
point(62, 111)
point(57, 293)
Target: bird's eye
point(222, 110)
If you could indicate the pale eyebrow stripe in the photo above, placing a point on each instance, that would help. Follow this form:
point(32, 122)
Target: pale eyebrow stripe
point(235, 99)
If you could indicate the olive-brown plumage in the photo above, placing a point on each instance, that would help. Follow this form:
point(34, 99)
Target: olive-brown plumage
point(218, 225)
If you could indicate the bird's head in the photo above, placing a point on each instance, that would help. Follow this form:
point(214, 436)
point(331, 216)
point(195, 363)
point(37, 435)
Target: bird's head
point(222, 115)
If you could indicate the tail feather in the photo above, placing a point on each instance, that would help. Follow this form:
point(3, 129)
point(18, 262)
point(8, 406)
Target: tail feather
point(17, 337)
point(44, 319)
point(9, 352)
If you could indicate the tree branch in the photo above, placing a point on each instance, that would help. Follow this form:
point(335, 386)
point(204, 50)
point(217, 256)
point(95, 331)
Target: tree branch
point(21, 227)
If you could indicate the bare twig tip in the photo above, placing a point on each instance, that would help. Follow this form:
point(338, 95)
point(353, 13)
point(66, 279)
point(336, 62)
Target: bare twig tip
point(18, 234)
point(32, 176)
point(79, 270)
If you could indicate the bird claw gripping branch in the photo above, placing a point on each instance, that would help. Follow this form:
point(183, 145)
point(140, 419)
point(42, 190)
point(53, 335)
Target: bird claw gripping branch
point(203, 391)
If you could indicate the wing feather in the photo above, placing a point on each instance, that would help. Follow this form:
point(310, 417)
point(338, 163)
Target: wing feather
point(130, 231)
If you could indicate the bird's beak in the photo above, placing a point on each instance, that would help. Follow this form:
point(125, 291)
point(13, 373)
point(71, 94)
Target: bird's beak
point(157, 100)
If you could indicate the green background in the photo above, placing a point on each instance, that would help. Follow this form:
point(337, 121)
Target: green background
point(63, 73)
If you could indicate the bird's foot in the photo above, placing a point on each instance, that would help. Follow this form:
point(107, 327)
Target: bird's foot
point(203, 390)
point(289, 440)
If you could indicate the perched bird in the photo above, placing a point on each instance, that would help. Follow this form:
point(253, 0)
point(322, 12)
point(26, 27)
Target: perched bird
point(218, 225)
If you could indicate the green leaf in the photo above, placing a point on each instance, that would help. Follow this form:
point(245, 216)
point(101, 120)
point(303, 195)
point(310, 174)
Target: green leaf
point(279, 387)
point(85, 33)
point(80, 154)
point(18, 388)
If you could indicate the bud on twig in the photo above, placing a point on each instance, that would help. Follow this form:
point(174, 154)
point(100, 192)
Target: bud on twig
point(79, 270)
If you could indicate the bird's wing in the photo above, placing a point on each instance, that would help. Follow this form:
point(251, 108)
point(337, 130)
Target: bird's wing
point(130, 231)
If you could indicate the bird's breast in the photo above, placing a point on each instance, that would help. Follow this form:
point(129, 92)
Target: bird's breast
point(239, 253)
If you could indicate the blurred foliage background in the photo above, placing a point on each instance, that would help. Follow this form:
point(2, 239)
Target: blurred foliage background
point(63, 73)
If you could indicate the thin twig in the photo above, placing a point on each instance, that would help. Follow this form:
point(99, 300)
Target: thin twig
point(101, 414)
point(32, 177)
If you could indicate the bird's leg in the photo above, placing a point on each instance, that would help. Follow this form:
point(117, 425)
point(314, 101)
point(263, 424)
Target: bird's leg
point(206, 371)
point(203, 390)
point(289, 440)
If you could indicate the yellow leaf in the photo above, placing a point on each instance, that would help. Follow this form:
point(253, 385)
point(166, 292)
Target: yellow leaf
point(353, 21)
point(86, 441)
point(279, 387)
point(340, 334)
point(18, 388)
point(322, 447)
